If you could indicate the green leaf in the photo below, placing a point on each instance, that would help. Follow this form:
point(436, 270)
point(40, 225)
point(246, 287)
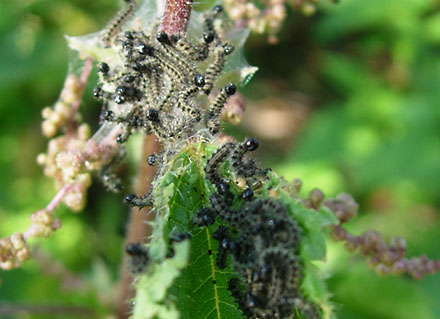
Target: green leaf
point(315, 289)
point(201, 289)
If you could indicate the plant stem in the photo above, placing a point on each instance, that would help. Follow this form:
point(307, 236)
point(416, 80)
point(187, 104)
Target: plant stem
point(138, 228)
point(176, 16)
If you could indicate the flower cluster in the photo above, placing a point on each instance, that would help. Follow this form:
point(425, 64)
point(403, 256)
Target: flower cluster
point(13, 251)
point(267, 18)
point(382, 257)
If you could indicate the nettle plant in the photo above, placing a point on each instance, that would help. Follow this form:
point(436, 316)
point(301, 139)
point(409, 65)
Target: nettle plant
point(229, 239)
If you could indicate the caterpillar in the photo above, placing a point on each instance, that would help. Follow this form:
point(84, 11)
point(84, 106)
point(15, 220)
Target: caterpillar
point(116, 23)
point(217, 66)
point(212, 121)
point(139, 257)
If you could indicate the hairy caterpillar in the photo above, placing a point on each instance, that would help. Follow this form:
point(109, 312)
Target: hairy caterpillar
point(116, 23)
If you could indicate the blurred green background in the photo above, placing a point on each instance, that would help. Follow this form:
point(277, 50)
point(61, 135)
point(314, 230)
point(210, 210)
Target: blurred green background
point(349, 100)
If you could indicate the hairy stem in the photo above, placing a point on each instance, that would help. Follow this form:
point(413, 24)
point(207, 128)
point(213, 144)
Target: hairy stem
point(138, 228)
point(176, 16)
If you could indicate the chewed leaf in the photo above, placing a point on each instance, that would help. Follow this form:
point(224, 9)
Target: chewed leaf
point(151, 288)
point(315, 288)
point(199, 289)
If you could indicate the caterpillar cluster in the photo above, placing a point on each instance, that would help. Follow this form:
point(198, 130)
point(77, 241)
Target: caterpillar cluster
point(160, 84)
point(261, 237)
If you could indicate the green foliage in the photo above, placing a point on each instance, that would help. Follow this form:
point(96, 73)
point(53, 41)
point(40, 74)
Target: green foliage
point(152, 289)
point(200, 289)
